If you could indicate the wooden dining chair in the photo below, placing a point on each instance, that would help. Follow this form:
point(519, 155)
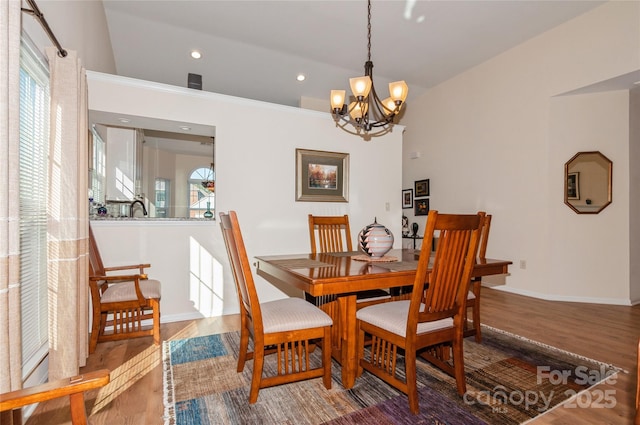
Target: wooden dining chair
point(287, 326)
point(121, 302)
point(431, 323)
point(329, 234)
point(74, 387)
point(473, 298)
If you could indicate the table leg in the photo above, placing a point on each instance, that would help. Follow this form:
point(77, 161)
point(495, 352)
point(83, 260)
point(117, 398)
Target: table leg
point(349, 353)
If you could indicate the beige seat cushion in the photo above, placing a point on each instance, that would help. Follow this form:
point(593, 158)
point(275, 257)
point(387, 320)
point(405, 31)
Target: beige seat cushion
point(392, 317)
point(291, 314)
point(126, 291)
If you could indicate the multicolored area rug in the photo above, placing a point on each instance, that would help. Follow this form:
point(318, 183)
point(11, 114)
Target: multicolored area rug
point(510, 380)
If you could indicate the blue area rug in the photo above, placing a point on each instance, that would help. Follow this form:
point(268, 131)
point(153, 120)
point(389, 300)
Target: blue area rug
point(510, 380)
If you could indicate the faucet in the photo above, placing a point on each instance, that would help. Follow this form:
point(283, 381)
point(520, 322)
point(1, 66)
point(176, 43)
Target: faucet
point(137, 201)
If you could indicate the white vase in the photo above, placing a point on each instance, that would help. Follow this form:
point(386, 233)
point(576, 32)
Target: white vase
point(375, 240)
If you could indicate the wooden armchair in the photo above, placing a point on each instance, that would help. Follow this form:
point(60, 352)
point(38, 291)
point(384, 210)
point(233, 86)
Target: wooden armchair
point(473, 299)
point(120, 302)
point(431, 323)
point(74, 387)
point(291, 325)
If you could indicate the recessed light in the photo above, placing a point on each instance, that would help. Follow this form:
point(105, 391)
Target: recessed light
point(301, 77)
point(124, 120)
point(196, 54)
point(185, 128)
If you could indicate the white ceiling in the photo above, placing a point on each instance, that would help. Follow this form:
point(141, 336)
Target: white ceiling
point(255, 49)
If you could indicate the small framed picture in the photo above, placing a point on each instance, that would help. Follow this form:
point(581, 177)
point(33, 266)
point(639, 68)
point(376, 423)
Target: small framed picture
point(407, 198)
point(422, 188)
point(422, 207)
point(573, 185)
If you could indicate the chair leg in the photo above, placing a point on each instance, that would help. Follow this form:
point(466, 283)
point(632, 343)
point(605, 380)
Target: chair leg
point(256, 378)
point(477, 283)
point(458, 364)
point(155, 304)
point(476, 321)
point(95, 330)
point(412, 384)
point(244, 346)
point(326, 357)
point(360, 348)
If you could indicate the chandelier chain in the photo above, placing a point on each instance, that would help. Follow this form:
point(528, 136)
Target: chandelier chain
point(369, 31)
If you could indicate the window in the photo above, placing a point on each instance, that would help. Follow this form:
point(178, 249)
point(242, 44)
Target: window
point(200, 199)
point(34, 135)
point(163, 195)
point(97, 170)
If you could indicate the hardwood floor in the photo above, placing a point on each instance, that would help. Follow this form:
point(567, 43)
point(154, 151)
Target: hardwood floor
point(603, 332)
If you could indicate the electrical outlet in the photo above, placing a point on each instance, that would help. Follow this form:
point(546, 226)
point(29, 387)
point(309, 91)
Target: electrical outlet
point(523, 264)
point(387, 206)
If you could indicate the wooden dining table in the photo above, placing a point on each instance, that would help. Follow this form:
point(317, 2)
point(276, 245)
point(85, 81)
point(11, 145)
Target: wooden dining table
point(343, 275)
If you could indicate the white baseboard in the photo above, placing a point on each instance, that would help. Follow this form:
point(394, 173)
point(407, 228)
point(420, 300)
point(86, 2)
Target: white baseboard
point(180, 317)
point(566, 298)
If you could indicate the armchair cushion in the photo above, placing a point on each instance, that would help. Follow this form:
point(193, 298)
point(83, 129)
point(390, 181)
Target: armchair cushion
point(290, 314)
point(392, 317)
point(126, 291)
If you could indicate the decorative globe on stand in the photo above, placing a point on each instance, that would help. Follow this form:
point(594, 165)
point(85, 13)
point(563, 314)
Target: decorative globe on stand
point(375, 240)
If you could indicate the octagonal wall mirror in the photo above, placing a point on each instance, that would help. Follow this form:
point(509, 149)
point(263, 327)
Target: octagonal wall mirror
point(587, 182)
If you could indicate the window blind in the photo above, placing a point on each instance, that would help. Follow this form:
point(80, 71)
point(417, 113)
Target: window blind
point(34, 135)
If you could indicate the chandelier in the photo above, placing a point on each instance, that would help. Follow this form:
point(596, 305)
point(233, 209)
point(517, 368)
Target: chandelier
point(208, 183)
point(367, 114)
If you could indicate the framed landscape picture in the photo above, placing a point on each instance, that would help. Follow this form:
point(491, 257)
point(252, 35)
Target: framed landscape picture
point(407, 198)
point(422, 188)
point(422, 207)
point(322, 176)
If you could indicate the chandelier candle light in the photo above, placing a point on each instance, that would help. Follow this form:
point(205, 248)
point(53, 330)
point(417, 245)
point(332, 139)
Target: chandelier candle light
point(369, 115)
point(209, 184)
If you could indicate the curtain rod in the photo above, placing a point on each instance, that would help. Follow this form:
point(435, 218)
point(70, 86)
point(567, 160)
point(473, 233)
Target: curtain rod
point(34, 11)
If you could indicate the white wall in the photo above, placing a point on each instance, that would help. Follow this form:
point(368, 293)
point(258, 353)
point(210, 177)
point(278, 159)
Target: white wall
point(489, 141)
point(255, 175)
point(79, 26)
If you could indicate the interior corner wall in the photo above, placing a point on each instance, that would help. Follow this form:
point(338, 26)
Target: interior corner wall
point(588, 253)
point(485, 143)
point(634, 195)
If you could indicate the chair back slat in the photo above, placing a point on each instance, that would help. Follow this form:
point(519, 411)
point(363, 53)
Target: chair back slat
point(96, 267)
point(484, 236)
point(454, 259)
point(329, 234)
point(241, 268)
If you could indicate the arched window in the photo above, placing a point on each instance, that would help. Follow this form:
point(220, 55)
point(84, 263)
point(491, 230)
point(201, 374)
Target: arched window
point(201, 200)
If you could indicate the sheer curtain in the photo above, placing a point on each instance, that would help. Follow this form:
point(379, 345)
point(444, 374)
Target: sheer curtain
point(10, 332)
point(68, 216)
point(67, 206)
